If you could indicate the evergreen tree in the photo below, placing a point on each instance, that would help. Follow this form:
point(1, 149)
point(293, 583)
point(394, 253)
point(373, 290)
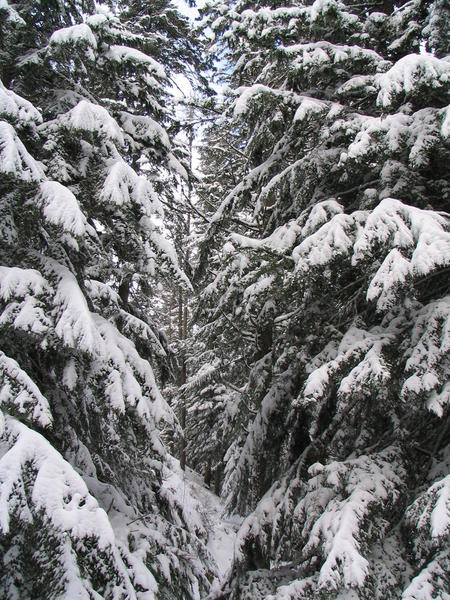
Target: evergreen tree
point(92, 505)
point(324, 326)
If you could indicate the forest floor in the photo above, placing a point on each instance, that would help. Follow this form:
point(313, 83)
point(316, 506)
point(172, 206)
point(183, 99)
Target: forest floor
point(221, 529)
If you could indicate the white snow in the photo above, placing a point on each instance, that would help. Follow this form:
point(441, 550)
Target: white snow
point(322, 52)
point(410, 228)
point(409, 73)
point(61, 207)
point(445, 126)
point(260, 286)
point(74, 323)
point(246, 94)
point(309, 106)
point(423, 586)
point(17, 108)
point(285, 236)
point(87, 116)
point(70, 376)
point(332, 239)
point(197, 501)
point(440, 515)
point(144, 128)
point(16, 282)
point(123, 186)
point(430, 343)
point(74, 34)
point(125, 53)
point(339, 499)
point(57, 489)
point(392, 273)
point(14, 157)
point(21, 392)
point(13, 15)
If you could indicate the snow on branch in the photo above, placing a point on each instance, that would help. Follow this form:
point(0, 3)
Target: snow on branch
point(74, 323)
point(397, 133)
point(422, 235)
point(124, 54)
point(14, 157)
point(40, 490)
point(144, 129)
point(12, 14)
point(61, 207)
point(324, 52)
point(123, 186)
point(332, 516)
point(16, 282)
point(428, 525)
point(430, 345)
point(20, 395)
point(74, 34)
point(131, 377)
point(86, 116)
point(416, 243)
point(23, 291)
point(17, 108)
point(410, 74)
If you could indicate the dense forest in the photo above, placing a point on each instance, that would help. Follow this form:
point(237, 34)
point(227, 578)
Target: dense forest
point(224, 300)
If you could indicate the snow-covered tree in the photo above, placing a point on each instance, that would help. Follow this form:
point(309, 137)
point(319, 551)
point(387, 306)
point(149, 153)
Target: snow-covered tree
point(324, 325)
point(91, 503)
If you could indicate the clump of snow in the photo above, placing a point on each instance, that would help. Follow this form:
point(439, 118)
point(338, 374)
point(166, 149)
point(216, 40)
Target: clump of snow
point(123, 186)
point(246, 94)
point(37, 483)
point(392, 273)
point(430, 344)
point(175, 165)
point(339, 499)
point(422, 234)
point(16, 282)
point(309, 106)
point(322, 52)
point(74, 323)
point(126, 54)
point(445, 126)
point(61, 207)
point(13, 15)
point(358, 358)
point(86, 116)
point(74, 34)
point(430, 581)
point(144, 128)
point(57, 489)
point(331, 240)
point(17, 108)
point(285, 236)
point(409, 73)
point(22, 394)
point(406, 227)
point(70, 376)
point(259, 287)
point(14, 157)
point(428, 522)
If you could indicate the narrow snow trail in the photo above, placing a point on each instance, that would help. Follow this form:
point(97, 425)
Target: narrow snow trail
point(221, 531)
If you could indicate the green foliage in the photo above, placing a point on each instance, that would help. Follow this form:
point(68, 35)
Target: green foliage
point(86, 146)
point(325, 306)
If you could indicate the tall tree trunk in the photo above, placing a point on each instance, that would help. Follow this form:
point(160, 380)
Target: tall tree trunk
point(183, 312)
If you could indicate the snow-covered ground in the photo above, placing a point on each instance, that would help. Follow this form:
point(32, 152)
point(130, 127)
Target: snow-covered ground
point(197, 499)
